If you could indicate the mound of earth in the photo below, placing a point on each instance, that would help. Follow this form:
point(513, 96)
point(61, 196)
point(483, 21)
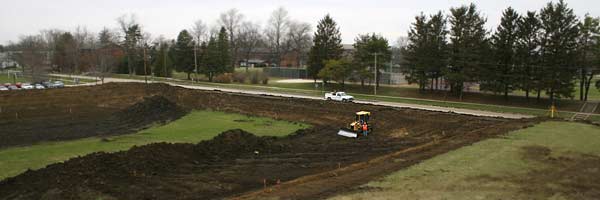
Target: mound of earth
point(230, 164)
point(155, 109)
point(110, 174)
point(96, 121)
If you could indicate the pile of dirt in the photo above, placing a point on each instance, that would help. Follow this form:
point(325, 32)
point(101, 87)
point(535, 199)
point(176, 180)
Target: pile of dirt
point(151, 109)
point(96, 121)
point(108, 174)
point(233, 144)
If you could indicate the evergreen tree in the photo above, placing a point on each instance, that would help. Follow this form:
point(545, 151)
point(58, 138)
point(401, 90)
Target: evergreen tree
point(215, 57)
point(469, 47)
point(210, 59)
point(162, 63)
point(438, 48)
point(559, 49)
point(365, 47)
point(500, 77)
point(590, 30)
point(133, 34)
point(183, 53)
point(327, 46)
point(224, 55)
point(426, 52)
point(416, 54)
point(529, 73)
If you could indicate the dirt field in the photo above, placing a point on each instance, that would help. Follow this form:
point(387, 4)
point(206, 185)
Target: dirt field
point(312, 163)
point(33, 124)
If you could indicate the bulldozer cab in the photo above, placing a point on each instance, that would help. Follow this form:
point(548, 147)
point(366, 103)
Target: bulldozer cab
point(361, 121)
point(363, 116)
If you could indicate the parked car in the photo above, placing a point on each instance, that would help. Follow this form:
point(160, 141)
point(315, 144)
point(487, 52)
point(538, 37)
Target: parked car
point(18, 84)
point(59, 84)
point(27, 86)
point(39, 86)
point(2, 88)
point(339, 96)
point(48, 84)
point(13, 87)
point(7, 84)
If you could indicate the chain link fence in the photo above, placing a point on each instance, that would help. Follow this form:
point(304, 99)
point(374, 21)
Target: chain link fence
point(285, 72)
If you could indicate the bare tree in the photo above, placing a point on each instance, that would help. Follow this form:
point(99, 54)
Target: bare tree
point(249, 39)
point(300, 40)
point(214, 30)
point(232, 20)
point(50, 37)
point(199, 32)
point(276, 30)
point(131, 31)
point(108, 53)
point(144, 45)
point(85, 42)
point(33, 57)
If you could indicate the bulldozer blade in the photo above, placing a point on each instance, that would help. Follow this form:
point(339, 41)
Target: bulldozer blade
point(347, 133)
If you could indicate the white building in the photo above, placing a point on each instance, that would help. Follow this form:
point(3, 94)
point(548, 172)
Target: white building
point(6, 60)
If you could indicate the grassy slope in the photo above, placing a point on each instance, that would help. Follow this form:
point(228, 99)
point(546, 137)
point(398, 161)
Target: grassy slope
point(494, 168)
point(197, 126)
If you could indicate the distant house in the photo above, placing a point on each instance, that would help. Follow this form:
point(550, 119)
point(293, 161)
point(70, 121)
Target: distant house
point(263, 57)
point(7, 61)
point(348, 50)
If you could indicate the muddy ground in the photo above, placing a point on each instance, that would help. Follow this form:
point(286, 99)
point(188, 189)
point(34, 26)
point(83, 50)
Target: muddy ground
point(94, 121)
point(237, 164)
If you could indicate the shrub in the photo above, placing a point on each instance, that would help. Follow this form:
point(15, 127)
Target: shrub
point(254, 77)
point(223, 78)
point(265, 80)
point(240, 77)
point(257, 77)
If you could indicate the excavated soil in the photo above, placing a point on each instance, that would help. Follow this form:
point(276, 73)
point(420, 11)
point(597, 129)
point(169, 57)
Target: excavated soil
point(309, 164)
point(94, 121)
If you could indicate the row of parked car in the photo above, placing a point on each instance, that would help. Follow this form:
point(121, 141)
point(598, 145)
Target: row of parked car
point(30, 86)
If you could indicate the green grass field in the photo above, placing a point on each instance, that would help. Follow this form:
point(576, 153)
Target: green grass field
point(552, 160)
point(192, 128)
point(5, 79)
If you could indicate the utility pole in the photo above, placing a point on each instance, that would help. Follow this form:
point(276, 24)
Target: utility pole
point(165, 60)
point(196, 57)
point(145, 70)
point(375, 71)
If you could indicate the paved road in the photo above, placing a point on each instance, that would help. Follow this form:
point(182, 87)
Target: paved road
point(383, 103)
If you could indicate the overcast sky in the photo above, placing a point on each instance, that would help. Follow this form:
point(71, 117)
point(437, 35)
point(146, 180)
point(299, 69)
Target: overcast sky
point(391, 18)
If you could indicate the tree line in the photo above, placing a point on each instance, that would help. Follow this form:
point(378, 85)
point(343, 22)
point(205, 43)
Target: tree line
point(328, 61)
point(547, 51)
point(129, 49)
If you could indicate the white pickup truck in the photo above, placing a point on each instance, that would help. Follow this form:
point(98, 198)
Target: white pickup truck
point(339, 96)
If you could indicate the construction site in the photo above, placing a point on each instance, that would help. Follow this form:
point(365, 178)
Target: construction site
point(307, 164)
